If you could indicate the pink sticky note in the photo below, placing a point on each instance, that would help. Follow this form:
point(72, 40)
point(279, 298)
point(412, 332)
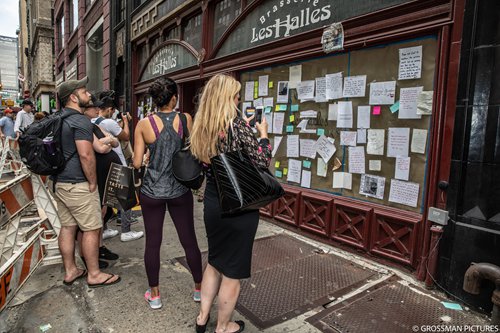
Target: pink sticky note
point(376, 110)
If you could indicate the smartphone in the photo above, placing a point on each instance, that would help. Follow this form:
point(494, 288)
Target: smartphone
point(258, 115)
point(250, 112)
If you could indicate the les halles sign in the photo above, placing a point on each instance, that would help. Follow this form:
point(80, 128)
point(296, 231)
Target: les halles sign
point(315, 12)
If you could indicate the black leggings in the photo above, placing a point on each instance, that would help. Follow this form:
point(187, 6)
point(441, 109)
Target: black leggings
point(181, 212)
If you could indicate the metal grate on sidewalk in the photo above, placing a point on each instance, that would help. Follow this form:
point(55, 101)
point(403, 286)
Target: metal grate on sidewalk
point(390, 307)
point(290, 278)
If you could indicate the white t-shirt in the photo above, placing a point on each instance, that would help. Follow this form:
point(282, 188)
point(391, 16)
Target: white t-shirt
point(23, 120)
point(114, 129)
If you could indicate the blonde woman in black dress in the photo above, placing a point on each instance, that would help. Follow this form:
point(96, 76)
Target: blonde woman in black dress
point(230, 239)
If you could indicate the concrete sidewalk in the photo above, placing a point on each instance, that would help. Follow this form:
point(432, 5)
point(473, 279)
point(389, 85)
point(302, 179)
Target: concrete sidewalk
point(121, 308)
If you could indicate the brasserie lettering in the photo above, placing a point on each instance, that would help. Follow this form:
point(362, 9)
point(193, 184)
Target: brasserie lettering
point(283, 27)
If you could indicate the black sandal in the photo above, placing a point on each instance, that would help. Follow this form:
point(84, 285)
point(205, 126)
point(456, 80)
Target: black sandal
point(241, 324)
point(202, 328)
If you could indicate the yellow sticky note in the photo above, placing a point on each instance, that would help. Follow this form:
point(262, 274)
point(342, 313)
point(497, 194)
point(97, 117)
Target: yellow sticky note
point(277, 164)
point(277, 108)
point(256, 83)
point(292, 118)
point(270, 84)
point(285, 171)
point(256, 95)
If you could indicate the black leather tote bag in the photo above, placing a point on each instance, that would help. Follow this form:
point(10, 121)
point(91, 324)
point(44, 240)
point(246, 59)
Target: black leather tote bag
point(185, 168)
point(242, 185)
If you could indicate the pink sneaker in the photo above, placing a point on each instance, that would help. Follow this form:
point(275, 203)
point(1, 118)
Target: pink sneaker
point(154, 302)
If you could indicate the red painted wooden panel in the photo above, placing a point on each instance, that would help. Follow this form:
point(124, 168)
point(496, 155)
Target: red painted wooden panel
point(267, 211)
point(394, 236)
point(287, 207)
point(351, 223)
point(315, 215)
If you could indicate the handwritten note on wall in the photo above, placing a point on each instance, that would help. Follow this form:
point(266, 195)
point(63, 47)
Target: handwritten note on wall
point(410, 63)
point(408, 103)
point(398, 141)
point(354, 86)
point(405, 193)
point(382, 93)
point(334, 86)
point(357, 160)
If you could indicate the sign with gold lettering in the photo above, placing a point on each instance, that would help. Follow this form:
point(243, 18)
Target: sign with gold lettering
point(166, 59)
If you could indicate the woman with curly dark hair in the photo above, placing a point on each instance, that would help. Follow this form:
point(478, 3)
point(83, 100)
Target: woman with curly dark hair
point(162, 134)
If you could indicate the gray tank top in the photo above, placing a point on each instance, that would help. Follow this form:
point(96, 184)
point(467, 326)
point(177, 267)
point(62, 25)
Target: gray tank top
point(159, 182)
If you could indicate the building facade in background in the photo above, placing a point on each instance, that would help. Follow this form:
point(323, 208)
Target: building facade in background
point(22, 35)
point(82, 42)
point(9, 68)
point(40, 54)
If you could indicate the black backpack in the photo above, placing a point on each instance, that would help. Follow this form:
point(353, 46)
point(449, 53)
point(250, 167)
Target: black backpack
point(40, 145)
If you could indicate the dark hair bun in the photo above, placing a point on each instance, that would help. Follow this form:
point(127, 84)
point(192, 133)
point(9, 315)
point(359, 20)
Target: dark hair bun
point(162, 91)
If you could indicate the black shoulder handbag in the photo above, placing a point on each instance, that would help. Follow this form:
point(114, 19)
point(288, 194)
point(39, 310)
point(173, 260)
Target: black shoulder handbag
point(185, 168)
point(242, 185)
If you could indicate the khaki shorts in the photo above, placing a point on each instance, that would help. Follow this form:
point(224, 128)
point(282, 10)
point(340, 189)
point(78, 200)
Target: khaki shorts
point(77, 206)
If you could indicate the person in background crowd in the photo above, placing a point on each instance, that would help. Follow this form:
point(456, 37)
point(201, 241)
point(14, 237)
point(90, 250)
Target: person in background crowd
point(106, 105)
point(103, 144)
point(75, 188)
point(230, 239)
point(24, 118)
point(162, 134)
point(7, 125)
point(39, 116)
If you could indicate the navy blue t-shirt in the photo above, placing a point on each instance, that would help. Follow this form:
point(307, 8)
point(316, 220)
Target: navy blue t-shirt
point(75, 127)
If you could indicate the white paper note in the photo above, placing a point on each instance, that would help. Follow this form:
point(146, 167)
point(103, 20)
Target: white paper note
point(249, 86)
point(320, 96)
point(258, 103)
point(325, 148)
point(424, 103)
point(382, 93)
point(263, 85)
point(419, 141)
point(276, 145)
point(269, 119)
point(410, 63)
point(375, 165)
point(306, 179)
point(348, 138)
point(294, 170)
point(308, 148)
point(372, 186)
point(354, 86)
point(305, 89)
point(398, 141)
point(342, 180)
point(402, 168)
point(292, 146)
point(364, 116)
point(334, 86)
point(308, 114)
point(333, 110)
point(303, 123)
point(321, 167)
point(408, 103)
point(361, 136)
point(405, 193)
point(375, 144)
point(282, 94)
point(269, 101)
point(344, 116)
point(357, 160)
point(295, 76)
point(278, 120)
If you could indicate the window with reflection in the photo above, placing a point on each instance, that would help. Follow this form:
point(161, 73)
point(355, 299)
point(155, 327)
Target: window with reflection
point(73, 20)
point(192, 31)
point(88, 4)
point(225, 13)
point(60, 35)
point(173, 33)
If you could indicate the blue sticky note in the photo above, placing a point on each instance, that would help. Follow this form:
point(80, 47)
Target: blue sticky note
point(395, 107)
point(294, 108)
point(267, 109)
point(452, 306)
point(320, 131)
point(278, 173)
point(289, 129)
point(282, 107)
point(306, 164)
